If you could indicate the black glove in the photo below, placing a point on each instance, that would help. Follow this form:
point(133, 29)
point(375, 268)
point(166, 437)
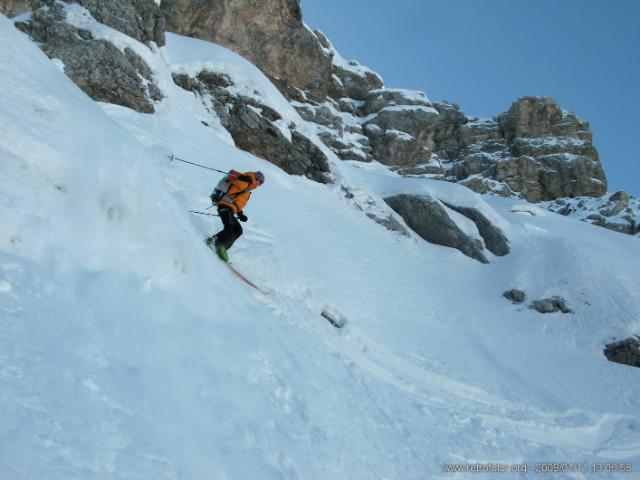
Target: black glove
point(242, 217)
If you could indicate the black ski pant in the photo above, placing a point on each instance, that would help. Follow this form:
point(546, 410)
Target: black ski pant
point(232, 228)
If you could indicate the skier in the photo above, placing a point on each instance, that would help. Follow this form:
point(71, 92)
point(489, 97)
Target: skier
point(231, 195)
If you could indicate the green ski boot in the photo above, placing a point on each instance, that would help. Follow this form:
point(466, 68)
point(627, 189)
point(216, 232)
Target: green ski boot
point(222, 253)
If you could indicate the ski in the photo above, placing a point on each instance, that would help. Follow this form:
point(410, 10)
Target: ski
point(235, 271)
point(244, 279)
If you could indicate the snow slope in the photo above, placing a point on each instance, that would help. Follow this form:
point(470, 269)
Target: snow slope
point(128, 352)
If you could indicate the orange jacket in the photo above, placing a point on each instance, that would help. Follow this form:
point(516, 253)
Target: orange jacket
point(240, 190)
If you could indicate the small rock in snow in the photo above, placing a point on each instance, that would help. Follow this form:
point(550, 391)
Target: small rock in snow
point(515, 295)
point(551, 305)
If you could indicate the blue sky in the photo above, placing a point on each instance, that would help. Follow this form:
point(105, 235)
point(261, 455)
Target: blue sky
point(483, 54)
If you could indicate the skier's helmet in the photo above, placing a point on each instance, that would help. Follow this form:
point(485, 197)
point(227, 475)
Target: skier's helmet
point(260, 177)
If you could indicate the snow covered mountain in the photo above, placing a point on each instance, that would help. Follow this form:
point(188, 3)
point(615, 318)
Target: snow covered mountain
point(128, 351)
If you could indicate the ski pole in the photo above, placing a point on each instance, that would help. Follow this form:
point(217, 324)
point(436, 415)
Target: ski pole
point(172, 157)
point(203, 213)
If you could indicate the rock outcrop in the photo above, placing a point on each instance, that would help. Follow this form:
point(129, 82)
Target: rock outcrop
point(429, 219)
point(100, 69)
point(392, 126)
point(619, 212)
point(626, 352)
point(515, 295)
point(535, 150)
point(257, 128)
point(337, 130)
point(494, 239)
point(269, 33)
point(349, 79)
point(139, 19)
point(551, 305)
point(13, 8)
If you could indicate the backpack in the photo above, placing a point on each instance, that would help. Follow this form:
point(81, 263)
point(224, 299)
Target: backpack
point(221, 189)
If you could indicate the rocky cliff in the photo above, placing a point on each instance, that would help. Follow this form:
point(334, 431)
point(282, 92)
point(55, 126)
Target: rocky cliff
point(268, 33)
point(535, 150)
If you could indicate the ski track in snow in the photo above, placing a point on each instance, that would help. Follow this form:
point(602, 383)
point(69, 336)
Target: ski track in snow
point(607, 436)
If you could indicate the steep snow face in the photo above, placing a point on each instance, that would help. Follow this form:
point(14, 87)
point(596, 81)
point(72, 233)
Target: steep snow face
point(128, 351)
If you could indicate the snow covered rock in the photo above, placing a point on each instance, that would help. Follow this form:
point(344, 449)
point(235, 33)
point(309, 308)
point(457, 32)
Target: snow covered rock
point(494, 239)
point(269, 33)
point(348, 78)
point(515, 295)
point(396, 148)
point(415, 120)
point(399, 124)
point(380, 98)
point(255, 128)
point(103, 71)
point(139, 19)
point(340, 131)
point(626, 352)
point(535, 150)
point(551, 305)
point(428, 218)
point(347, 82)
point(619, 212)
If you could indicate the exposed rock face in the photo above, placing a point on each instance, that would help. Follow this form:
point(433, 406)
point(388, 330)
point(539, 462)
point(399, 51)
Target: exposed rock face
point(348, 79)
point(392, 126)
point(535, 150)
point(380, 98)
point(100, 69)
point(399, 125)
point(269, 33)
point(626, 352)
point(494, 239)
point(515, 295)
point(535, 117)
point(414, 120)
point(140, 19)
point(254, 127)
point(12, 8)
point(551, 305)
point(430, 220)
point(347, 141)
point(396, 148)
point(345, 82)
